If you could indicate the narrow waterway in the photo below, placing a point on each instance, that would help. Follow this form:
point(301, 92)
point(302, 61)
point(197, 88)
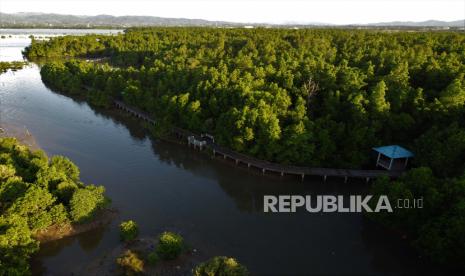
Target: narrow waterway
point(216, 206)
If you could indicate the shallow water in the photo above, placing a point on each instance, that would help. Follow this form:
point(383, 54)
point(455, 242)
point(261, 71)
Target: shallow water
point(215, 205)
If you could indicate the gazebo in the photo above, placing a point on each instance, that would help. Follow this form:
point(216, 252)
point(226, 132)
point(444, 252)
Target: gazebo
point(393, 157)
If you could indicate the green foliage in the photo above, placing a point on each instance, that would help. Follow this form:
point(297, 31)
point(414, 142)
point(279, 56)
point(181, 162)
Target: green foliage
point(377, 98)
point(302, 97)
point(16, 245)
point(130, 263)
point(437, 228)
point(65, 165)
point(442, 149)
point(86, 202)
point(152, 258)
point(220, 266)
point(65, 190)
point(34, 205)
point(170, 246)
point(12, 65)
point(35, 193)
point(454, 94)
point(128, 230)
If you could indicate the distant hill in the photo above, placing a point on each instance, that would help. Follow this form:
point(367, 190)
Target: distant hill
point(428, 23)
point(68, 21)
point(51, 20)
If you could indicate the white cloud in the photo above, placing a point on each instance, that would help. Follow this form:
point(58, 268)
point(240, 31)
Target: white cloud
point(274, 11)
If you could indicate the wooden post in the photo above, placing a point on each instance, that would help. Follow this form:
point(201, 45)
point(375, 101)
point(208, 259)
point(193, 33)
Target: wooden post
point(406, 161)
point(324, 178)
point(303, 176)
point(377, 160)
point(263, 171)
point(390, 163)
point(345, 179)
point(368, 179)
point(282, 173)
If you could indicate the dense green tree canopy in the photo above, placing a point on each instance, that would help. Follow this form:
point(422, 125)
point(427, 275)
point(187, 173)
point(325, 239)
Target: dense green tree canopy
point(304, 97)
point(32, 198)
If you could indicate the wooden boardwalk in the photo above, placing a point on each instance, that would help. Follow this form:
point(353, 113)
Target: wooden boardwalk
point(265, 166)
point(262, 165)
point(134, 111)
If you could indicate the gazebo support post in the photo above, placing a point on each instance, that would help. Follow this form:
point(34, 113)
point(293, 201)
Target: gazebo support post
point(390, 163)
point(406, 161)
point(377, 160)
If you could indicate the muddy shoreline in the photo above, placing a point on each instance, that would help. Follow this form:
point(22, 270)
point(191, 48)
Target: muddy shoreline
point(183, 265)
point(22, 134)
point(57, 232)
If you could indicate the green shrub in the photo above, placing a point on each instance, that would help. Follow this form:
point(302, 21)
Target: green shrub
point(40, 220)
point(86, 202)
point(170, 245)
point(65, 165)
point(65, 190)
point(130, 263)
point(128, 230)
point(220, 265)
point(6, 171)
point(16, 245)
point(10, 190)
point(152, 258)
point(58, 214)
point(34, 205)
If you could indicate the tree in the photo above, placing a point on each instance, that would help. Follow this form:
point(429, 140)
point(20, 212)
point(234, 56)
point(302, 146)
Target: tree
point(65, 165)
point(86, 202)
point(16, 245)
point(378, 103)
point(130, 263)
point(220, 265)
point(128, 230)
point(34, 205)
point(442, 149)
point(453, 95)
point(170, 245)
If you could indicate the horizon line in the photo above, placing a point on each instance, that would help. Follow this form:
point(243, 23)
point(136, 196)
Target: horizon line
point(321, 23)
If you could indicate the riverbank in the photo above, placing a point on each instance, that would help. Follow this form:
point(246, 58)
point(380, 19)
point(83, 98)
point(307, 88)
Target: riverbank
point(56, 232)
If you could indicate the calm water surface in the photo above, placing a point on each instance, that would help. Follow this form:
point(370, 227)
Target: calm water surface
point(216, 206)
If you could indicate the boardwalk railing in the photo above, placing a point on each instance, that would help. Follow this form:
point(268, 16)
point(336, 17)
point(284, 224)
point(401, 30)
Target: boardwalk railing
point(134, 111)
point(264, 166)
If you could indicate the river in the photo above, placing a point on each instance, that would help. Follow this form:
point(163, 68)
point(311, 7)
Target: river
point(215, 205)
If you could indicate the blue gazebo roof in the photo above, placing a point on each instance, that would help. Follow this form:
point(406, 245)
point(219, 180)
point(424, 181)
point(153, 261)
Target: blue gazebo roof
point(394, 151)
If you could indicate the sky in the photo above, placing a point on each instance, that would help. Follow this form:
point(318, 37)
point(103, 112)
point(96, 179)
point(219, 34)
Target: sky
point(256, 11)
